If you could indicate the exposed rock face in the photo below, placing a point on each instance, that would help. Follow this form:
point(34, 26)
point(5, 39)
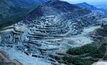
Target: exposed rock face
point(61, 18)
point(42, 32)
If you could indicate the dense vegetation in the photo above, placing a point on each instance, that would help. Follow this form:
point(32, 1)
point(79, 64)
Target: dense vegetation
point(15, 17)
point(12, 11)
point(102, 31)
point(9, 63)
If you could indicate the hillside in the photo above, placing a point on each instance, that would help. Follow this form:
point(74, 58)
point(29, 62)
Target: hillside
point(15, 10)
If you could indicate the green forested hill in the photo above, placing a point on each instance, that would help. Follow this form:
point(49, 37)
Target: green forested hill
point(16, 9)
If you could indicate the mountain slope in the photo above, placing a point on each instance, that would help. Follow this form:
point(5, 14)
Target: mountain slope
point(10, 8)
point(99, 11)
point(46, 31)
point(86, 5)
point(58, 14)
point(58, 7)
